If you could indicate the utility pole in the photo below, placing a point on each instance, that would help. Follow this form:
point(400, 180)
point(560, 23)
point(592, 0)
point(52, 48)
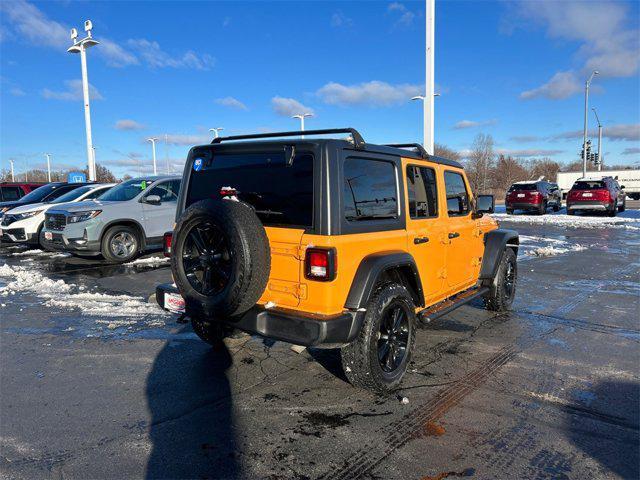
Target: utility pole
point(599, 140)
point(80, 46)
point(423, 98)
point(216, 131)
point(153, 149)
point(428, 126)
point(587, 84)
point(166, 151)
point(13, 178)
point(48, 155)
point(301, 117)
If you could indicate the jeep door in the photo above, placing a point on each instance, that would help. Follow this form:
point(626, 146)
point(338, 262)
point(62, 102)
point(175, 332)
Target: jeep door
point(158, 218)
point(426, 230)
point(462, 237)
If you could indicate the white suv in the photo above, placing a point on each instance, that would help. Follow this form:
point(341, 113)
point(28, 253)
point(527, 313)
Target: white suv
point(23, 224)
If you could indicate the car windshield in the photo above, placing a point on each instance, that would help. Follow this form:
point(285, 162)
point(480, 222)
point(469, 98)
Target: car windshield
point(73, 194)
point(589, 185)
point(522, 186)
point(281, 193)
point(39, 193)
point(126, 190)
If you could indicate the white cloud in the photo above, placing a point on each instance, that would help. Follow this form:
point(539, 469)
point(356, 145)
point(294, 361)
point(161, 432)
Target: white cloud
point(526, 153)
point(339, 19)
point(462, 124)
point(231, 103)
point(406, 16)
point(17, 92)
point(525, 138)
point(562, 85)
point(374, 93)
point(178, 139)
point(608, 40)
point(289, 106)
point(128, 124)
point(628, 132)
point(28, 22)
point(72, 93)
point(631, 151)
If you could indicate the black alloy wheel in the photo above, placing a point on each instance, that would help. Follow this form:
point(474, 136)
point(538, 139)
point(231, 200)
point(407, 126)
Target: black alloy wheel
point(393, 338)
point(207, 259)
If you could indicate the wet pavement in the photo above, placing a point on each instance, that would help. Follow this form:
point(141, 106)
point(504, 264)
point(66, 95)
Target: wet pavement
point(96, 383)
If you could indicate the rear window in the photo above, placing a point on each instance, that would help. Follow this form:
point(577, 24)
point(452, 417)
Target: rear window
point(522, 186)
point(9, 193)
point(589, 185)
point(281, 194)
point(369, 191)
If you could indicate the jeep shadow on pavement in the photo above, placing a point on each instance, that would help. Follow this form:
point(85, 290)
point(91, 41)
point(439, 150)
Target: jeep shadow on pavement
point(333, 243)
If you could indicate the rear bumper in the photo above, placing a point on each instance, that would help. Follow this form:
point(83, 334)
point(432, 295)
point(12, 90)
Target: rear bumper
point(522, 206)
point(587, 206)
point(290, 326)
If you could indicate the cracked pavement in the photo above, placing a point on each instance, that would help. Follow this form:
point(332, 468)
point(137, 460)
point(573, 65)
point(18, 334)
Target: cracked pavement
point(549, 390)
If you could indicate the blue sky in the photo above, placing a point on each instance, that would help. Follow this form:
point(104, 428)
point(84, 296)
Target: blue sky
point(514, 70)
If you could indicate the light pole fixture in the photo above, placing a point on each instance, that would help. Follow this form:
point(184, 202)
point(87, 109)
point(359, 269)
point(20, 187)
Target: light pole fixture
point(599, 140)
point(216, 131)
point(153, 149)
point(302, 116)
point(80, 46)
point(48, 155)
point(587, 84)
point(429, 80)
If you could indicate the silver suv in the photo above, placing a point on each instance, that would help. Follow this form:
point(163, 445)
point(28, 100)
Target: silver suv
point(128, 219)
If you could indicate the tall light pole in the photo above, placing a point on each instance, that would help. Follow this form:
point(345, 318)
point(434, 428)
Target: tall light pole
point(216, 131)
point(166, 151)
point(13, 178)
point(587, 84)
point(599, 140)
point(153, 149)
point(302, 116)
point(48, 155)
point(80, 46)
point(429, 84)
point(425, 106)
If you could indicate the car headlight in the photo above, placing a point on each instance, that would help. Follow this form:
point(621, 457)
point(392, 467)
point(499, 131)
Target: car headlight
point(4, 209)
point(22, 216)
point(83, 216)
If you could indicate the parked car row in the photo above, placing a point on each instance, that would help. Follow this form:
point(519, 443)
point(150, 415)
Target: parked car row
point(602, 194)
point(116, 221)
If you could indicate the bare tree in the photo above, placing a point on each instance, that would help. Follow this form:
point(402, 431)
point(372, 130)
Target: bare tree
point(480, 163)
point(443, 151)
point(507, 171)
point(544, 167)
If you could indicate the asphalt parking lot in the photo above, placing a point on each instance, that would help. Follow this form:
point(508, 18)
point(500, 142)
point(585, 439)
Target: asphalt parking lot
point(97, 383)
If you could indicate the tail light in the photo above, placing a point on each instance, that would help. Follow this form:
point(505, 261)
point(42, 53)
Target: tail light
point(536, 197)
point(602, 195)
point(321, 264)
point(167, 241)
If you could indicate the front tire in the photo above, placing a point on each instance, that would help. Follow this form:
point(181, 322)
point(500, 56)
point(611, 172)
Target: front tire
point(120, 244)
point(503, 290)
point(377, 360)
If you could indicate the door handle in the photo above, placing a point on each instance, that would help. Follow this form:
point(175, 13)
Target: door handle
point(419, 240)
point(454, 235)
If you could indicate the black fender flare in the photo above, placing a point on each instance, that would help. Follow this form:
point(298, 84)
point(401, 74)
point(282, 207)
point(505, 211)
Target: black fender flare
point(375, 265)
point(495, 242)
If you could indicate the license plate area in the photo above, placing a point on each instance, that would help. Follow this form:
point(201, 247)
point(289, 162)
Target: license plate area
point(521, 195)
point(48, 236)
point(587, 194)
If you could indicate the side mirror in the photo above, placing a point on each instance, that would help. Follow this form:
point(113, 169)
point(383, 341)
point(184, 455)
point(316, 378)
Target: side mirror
point(153, 199)
point(485, 204)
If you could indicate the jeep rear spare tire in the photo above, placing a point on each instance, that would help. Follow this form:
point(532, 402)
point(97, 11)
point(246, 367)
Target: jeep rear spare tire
point(220, 258)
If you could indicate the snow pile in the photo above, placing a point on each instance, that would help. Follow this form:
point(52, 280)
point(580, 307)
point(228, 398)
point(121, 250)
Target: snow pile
point(547, 247)
point(57, 293)
point(151, 261)
point(40, 253)
point(551, 251)
point(629, 219)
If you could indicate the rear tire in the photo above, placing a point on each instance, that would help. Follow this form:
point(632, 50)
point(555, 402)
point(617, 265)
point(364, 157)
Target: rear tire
point(556, 207)
point(570, 212)
point(623, 207)
point(212, 333)
point(509, 211)
point(377, 360)
point(613, 211)
point(543, 208)
point(503, 289)
point(120, 244)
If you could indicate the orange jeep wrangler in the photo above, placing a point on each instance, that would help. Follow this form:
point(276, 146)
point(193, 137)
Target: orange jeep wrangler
point(333, 243)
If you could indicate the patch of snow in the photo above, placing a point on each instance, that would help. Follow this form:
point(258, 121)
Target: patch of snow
point(551, 251)
point(150, 261)
point(40, 253)
point(57, 293)
point(629, 219)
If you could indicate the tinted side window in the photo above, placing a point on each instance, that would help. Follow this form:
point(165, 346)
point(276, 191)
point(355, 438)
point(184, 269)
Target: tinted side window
point(423, 197)
point(167, 191)
point(10, 193)
point(58, 192)
point(369, 190)
point(457, 195)
point(96, 193)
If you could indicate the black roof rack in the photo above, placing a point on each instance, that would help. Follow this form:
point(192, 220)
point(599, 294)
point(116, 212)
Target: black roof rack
point(358, 141)
point(419, 148)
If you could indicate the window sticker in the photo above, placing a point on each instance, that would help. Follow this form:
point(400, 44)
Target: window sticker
point(197, 164)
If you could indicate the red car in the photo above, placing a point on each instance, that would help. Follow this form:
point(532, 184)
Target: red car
point(12, 191)
point(601, 194)
point(534, 196)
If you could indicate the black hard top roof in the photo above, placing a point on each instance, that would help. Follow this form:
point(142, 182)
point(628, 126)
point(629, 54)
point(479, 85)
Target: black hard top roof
point(354, 142)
